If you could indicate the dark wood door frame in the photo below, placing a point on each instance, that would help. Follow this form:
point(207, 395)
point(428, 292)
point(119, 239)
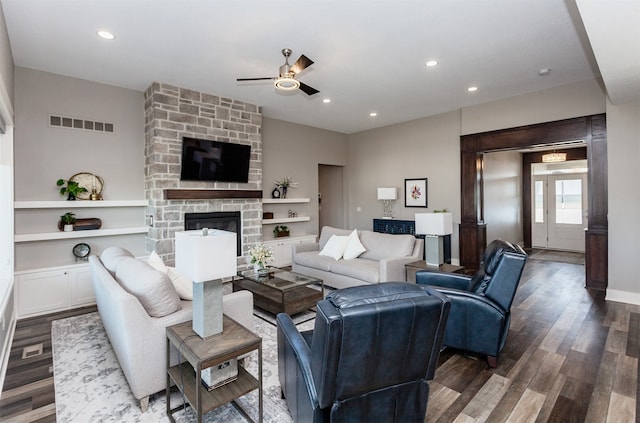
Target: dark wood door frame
point(591, 129)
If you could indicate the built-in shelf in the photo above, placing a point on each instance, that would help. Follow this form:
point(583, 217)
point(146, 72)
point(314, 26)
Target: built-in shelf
point(285, 200)
point(286, 220)
point(48, 236)
point(78, 204)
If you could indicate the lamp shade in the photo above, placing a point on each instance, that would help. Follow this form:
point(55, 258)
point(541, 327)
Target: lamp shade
point(386, 193)
point(434, 223)
point(206, 257)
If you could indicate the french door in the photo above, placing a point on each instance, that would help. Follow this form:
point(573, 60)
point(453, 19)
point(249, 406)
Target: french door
point(559, 211)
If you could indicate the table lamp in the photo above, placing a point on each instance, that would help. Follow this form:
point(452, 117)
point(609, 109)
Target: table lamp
point(387, 195)
point(206, 256)
point(434, 226)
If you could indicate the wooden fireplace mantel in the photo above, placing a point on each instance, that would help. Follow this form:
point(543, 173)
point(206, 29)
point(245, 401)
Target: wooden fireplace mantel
point(210, 194)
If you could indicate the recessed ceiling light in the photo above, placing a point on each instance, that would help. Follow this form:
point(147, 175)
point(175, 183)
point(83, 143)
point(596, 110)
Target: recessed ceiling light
point(472, 89)
point(326, 100)
point(544, 71)
point(106, 35)
point(373, 114)
point(432, 63)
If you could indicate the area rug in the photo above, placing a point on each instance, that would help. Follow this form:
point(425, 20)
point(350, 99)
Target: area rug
point(90, 386)
point(298, 318)
point(558, 256)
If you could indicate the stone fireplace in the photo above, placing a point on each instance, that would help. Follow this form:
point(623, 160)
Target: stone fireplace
point(172, 113)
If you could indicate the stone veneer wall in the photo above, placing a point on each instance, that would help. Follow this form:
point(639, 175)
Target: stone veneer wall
point(172, 113)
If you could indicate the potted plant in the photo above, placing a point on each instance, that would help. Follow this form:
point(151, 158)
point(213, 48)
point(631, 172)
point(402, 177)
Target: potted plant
point(284, 184)
point(280, 231)
point(72, 189)
point(68, 219)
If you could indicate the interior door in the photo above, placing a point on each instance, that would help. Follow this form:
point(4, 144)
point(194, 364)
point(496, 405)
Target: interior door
point(559, 211)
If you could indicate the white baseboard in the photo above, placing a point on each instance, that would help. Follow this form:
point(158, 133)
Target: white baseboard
point(623, 296)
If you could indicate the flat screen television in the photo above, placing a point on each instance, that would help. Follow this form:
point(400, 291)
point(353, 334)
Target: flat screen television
point(204, 160)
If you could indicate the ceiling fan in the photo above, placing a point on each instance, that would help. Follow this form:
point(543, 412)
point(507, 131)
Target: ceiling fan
point(286, 81)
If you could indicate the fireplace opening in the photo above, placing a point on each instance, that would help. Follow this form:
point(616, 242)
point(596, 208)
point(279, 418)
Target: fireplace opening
point(225, 221)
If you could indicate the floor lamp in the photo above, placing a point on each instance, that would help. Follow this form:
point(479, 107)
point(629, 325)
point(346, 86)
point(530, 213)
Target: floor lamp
point(206, 256)
point(434, 226)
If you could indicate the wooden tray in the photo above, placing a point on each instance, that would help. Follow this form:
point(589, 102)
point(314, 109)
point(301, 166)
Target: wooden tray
point(83, 224)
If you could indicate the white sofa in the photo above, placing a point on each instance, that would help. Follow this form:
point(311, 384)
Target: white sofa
point(138, 339)
point(383, 260)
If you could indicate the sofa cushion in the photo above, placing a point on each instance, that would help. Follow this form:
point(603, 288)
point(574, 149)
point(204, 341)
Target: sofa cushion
point(314, 260)
point(182, 284)
point(151, 287)
point(354, 247)
point(327, 232)
point(112, 256)
point(363, 269)
point(156, 262)
point(383, 246)
point(335, 247)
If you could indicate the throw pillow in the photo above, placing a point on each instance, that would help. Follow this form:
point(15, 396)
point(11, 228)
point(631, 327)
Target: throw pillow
point(112, 256)
point(334, 248)
point(156, 262)
point(181, 283)
point(151, 287)
point(354, 247)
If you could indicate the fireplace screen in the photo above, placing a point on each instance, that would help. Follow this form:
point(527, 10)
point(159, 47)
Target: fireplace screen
point(225, 221)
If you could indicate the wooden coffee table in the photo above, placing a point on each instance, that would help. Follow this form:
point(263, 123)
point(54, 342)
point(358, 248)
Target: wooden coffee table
point(280, 291)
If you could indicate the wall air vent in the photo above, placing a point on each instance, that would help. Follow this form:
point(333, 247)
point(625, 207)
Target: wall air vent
point(83, 124)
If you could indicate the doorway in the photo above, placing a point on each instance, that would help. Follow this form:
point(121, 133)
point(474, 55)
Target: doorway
point(331, 196)
point(559, 205)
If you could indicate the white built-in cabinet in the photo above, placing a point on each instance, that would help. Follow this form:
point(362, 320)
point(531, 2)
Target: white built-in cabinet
point(49, 290)
point(66, 284)
point(282, 248)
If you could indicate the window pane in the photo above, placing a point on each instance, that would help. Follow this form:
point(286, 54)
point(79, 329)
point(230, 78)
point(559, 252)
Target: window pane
point(569, 201)
point(539, 201)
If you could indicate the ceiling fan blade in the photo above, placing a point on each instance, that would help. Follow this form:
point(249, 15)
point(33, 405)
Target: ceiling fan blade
point(301, 64)
point(255, 79)
point(307, 89)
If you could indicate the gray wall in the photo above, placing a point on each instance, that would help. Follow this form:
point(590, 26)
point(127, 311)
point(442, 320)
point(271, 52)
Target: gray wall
point(623, 154)
point(503, 195)
point(6, 60)
point(297, 150)
point(43, 154)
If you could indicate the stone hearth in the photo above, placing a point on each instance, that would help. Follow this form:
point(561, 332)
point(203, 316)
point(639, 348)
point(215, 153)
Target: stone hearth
point(172, 113)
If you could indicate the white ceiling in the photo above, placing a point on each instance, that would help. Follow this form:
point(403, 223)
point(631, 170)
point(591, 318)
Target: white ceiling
point(370, 55)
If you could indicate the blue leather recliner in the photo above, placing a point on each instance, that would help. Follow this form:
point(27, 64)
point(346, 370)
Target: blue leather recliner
point(481, 305)
point(369, 357)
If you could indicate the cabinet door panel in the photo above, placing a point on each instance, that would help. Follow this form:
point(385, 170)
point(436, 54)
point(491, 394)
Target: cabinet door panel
point(81, 288)
point(42, 291)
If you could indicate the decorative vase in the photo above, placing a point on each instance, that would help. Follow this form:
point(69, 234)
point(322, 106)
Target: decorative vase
point(71, 196)
point(258, 267)
point(284, 192)
point(68, 228)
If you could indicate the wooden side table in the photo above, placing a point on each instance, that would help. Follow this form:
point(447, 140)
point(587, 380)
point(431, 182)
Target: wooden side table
point(235, 340)
point(413, 267)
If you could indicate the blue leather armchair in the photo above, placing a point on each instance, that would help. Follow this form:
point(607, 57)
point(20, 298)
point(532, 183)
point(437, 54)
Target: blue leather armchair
point(369, 357)
point(481, 305)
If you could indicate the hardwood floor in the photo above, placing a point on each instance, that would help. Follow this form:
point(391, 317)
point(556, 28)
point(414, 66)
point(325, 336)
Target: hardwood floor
point(570, 357)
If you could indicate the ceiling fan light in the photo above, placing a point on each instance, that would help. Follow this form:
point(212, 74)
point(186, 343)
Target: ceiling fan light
point(554, 157)
point(286, 83)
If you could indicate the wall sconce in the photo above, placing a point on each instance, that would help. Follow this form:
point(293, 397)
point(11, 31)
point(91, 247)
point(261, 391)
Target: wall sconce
point(434, 226)
point(387, 195)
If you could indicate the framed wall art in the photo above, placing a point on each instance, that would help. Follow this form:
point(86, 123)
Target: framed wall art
point(415, 192)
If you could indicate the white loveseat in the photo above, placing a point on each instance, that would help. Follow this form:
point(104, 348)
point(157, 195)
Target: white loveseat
point(383, 260)
point(138, 339)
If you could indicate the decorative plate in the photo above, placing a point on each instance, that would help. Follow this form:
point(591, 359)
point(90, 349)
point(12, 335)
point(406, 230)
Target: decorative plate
point(81, 250)
point(88, 181)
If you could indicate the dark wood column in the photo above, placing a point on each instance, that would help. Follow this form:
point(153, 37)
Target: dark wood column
point(591, 129)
